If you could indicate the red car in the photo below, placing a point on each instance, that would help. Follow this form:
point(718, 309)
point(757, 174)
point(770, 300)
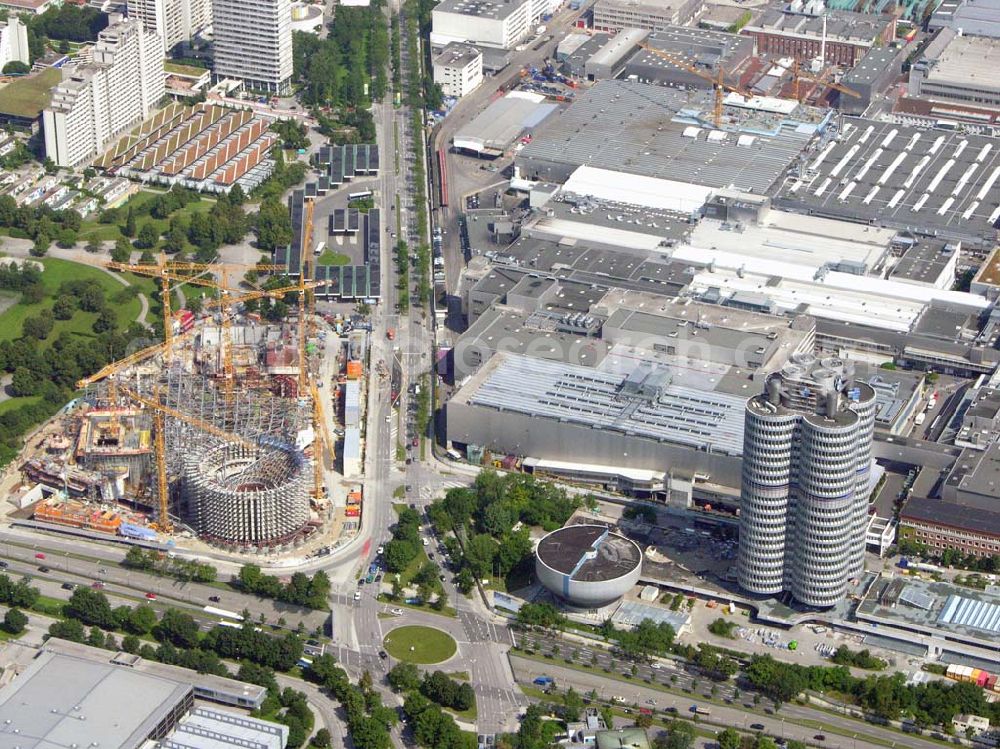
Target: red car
point(39, 555)
point(151, 596)
point(97, 585)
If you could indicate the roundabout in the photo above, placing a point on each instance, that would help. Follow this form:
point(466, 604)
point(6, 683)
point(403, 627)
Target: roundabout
point(419, 644)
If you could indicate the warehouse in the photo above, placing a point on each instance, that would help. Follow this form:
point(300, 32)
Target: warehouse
point(639, 129)
point(608, 61)
point(936, 182)
point(700, 48)
point(496, 128)
point(521, 405)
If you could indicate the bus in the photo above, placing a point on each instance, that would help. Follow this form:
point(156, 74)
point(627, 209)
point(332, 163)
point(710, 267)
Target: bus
point(223, 613)
point(359, 195)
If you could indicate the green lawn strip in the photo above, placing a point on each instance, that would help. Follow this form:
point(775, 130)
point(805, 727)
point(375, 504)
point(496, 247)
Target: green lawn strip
point(469, 716)
point(420, 644)
point(459, 675)
point(446, 611)
point(806, 722)
point(413, 567)
point(329, 257)
point(12, 403)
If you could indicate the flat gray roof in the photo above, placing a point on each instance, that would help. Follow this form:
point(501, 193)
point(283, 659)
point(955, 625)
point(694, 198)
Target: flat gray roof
point(923, 262)
point(840, 24)
point(62, 701)
point(640, 128)
point(589, 553)
point(655, 408)
point(968, 61)
point(871, 66)
point(497, 126)
point(479, 8)
point(457, 54)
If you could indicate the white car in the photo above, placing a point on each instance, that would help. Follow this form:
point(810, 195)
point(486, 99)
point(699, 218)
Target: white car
point(380, 550)
point(396, 612)
point(656, 665)
point(357, 595)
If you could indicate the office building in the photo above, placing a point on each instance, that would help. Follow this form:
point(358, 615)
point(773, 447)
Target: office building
point(176, 21)
point(98, 101)
point(253, 43)
point(458, 69)
point(651, 15)
point(807, 456)
point(13, 42)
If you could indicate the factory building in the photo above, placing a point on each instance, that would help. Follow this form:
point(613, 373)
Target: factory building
point(587, 566)
point(458, 69)
point(703, 49)
point(958, 69)
point(668, 134)
point(871, 77)
point(807, 31)
point(807, 460)
point(497, 127)
point(609, 60)
point(973, 17)
point(934, 182)
point(484, 22)
point(75, 695)
point(614, 15)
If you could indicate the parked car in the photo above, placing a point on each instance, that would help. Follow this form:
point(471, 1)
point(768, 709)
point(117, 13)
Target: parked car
point(67, 586)
point(214, 599)
point(151, 596)
point(98, 585)
point(43, 568)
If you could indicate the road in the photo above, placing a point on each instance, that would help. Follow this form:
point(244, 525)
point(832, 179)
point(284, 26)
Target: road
point(840, 732)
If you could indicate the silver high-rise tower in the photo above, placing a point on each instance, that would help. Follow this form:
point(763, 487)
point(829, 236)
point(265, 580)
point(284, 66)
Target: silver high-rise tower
point(806, 473)
point(252, 41)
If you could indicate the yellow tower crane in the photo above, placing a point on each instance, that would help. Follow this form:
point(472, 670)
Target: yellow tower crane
point(798, 75)
point(718, 80)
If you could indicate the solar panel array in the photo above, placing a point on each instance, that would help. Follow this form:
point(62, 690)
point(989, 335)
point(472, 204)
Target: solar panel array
point(970, 612)
point(579, 395)
point(345, 162)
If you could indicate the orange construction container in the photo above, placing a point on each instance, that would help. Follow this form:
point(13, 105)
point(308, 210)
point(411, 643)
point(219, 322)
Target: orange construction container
point(354, 369)
point(353, 511)
point(354, 498)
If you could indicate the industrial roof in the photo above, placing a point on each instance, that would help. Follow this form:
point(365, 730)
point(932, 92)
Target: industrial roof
point(968, 61)
point(663, 411)
point(701, 48)
point(649, 192)
point(791, 238)
point(497, 126)
point(871, 66)
point(206, 728)
point(456, 54)
point(951, 514)
point(479, 8)
point(840, 25)
point(970, 612)
point(589, 553)
point(640, 129)
point(621, 44)
point(924, 262)
point(904, 177)
point(61, 701)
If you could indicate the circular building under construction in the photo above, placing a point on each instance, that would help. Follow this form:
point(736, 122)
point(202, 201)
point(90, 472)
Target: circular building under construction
point(248, 497)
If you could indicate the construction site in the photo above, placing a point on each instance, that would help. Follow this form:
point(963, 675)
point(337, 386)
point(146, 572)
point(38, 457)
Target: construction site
point(221, 434)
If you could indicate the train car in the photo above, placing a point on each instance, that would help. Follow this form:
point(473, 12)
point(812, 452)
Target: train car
point(231, 615)
point(442, 177)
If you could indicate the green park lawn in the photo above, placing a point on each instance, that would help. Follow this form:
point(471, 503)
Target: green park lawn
point(418, 644)
point(93, 229)
point(28, 96)
point(56, 272)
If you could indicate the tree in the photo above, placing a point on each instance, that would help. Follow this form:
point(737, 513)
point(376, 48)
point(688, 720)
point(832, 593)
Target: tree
point(140, 620)
point(90, 607)
point(404, 677)
point(679, 735)
point(129, 228)
point(122, 251)
point(322, 739)
point(41, 245)
point(16, 67)
point(66, 239)
point(24, 382)
point(106, 322)
point(64, 307)
point(479, 554)
point(572, 705)
point(178, 628)
point(68, 629)
point(131, 644)
point(14, 621)
point(274, 225)
point(148, 237)
point(729, 739)
point(38, 326)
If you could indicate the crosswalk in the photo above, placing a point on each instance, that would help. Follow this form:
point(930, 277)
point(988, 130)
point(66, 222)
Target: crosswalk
point(427, 492)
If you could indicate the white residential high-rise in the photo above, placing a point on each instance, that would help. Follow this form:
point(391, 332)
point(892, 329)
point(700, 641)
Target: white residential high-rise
point(176, 21)
point(807, 455)
point(253, 43)
point(98, 101)
point(13, 42)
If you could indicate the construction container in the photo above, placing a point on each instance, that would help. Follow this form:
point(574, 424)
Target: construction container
point(354, 370)
point(78, 516)
point(354, 498)
point(353, 511)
